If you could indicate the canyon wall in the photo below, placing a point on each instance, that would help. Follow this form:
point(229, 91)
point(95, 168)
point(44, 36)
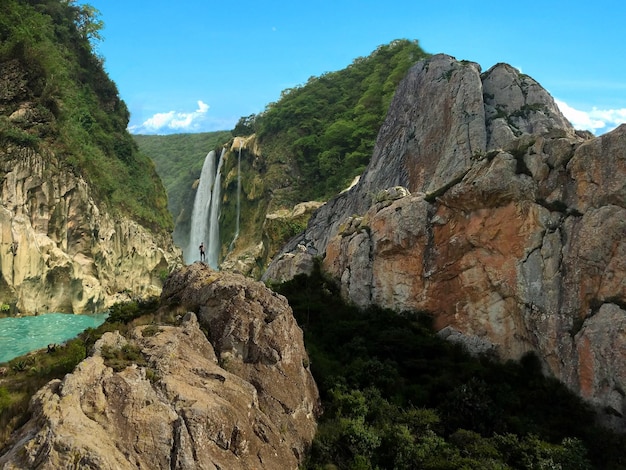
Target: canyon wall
point(483, 206)
point(61, 251)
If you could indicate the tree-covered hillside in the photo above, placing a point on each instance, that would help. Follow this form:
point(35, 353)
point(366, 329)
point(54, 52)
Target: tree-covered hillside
point(312, 142)
point(396, 396)
point(56, 98)
point(329, 125)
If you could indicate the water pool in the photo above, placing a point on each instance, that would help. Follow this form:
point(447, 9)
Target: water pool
point(20, 335)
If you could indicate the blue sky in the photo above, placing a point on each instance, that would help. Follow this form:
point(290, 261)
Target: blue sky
point(200, 65)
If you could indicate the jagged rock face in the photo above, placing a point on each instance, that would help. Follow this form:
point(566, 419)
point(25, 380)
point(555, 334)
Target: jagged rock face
point(513, 231)
point(244, 400)
point(60, 251)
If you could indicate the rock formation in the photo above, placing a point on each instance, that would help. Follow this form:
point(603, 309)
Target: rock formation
point(244, 400)
point(62, 252)
point(483, 206)
point(83, 216)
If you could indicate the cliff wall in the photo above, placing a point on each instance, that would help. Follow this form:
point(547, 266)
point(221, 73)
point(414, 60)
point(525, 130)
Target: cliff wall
point(83, 214)
point(483, 206)
point(60, 251)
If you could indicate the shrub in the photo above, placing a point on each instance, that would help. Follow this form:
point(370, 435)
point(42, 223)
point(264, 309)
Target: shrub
point(125, 312)
point(397, 396)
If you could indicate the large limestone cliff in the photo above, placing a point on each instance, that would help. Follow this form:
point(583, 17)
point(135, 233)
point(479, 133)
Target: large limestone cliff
point(483, 206)
point(242, 399)
point(62, 252)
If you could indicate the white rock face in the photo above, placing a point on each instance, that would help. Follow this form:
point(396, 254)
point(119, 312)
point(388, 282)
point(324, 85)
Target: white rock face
point(60, 251)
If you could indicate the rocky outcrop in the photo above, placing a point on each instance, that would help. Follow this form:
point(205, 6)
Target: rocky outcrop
point(242, 399)
point(60, 251)
point(483, 206)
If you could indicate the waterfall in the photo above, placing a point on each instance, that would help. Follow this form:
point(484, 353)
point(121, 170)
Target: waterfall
point(213, 248)
point(232, 244)
point(200, 215)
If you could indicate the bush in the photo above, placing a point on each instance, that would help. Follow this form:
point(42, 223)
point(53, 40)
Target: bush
point(125, 312)
point(396, 396)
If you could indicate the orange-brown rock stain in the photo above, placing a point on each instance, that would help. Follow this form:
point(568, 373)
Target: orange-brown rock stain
point(474, 267)
point(586, 372)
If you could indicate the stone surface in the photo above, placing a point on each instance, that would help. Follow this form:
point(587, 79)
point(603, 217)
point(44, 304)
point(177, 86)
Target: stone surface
point(244, 400)
point(60, 251)
point(511, 232)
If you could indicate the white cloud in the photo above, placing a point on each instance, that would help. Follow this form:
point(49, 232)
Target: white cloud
point(597, 121)
point(174, 121)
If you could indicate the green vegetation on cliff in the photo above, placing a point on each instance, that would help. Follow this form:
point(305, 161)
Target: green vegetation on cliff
point(328, 126)
point(56, 98)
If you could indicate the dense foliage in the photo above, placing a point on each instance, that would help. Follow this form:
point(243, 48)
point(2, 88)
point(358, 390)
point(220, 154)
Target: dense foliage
point(56, 97)
point(329, 125)
point(396, 396)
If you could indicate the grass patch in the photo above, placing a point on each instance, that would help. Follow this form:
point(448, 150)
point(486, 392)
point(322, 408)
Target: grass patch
point(120, 358)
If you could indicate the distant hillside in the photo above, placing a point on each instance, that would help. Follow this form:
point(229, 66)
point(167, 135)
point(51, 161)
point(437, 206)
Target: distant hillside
point(55, 96)
point(178, 159)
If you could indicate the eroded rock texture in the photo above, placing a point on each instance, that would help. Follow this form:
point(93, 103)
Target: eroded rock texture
point(243, 400)
point(483, 206)
point(60, 251)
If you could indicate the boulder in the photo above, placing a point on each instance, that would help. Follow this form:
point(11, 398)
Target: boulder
point(242, 398)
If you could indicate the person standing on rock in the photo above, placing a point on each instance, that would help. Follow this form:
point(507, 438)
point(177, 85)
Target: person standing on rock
point(202, 255)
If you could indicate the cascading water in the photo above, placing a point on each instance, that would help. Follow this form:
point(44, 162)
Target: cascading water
point(200, 216)
point(213, 248)
point(232, 244)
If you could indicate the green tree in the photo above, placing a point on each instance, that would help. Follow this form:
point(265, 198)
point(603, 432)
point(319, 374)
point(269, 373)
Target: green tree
point(396, 396)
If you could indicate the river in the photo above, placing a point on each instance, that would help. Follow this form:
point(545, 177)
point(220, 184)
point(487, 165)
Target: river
point(20, 335)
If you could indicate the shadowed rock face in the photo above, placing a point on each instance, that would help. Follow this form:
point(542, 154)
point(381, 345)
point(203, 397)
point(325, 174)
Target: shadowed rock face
point(510, 229)
point(245, 399)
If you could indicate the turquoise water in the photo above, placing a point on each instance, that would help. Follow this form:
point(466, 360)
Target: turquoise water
point(19, 335)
